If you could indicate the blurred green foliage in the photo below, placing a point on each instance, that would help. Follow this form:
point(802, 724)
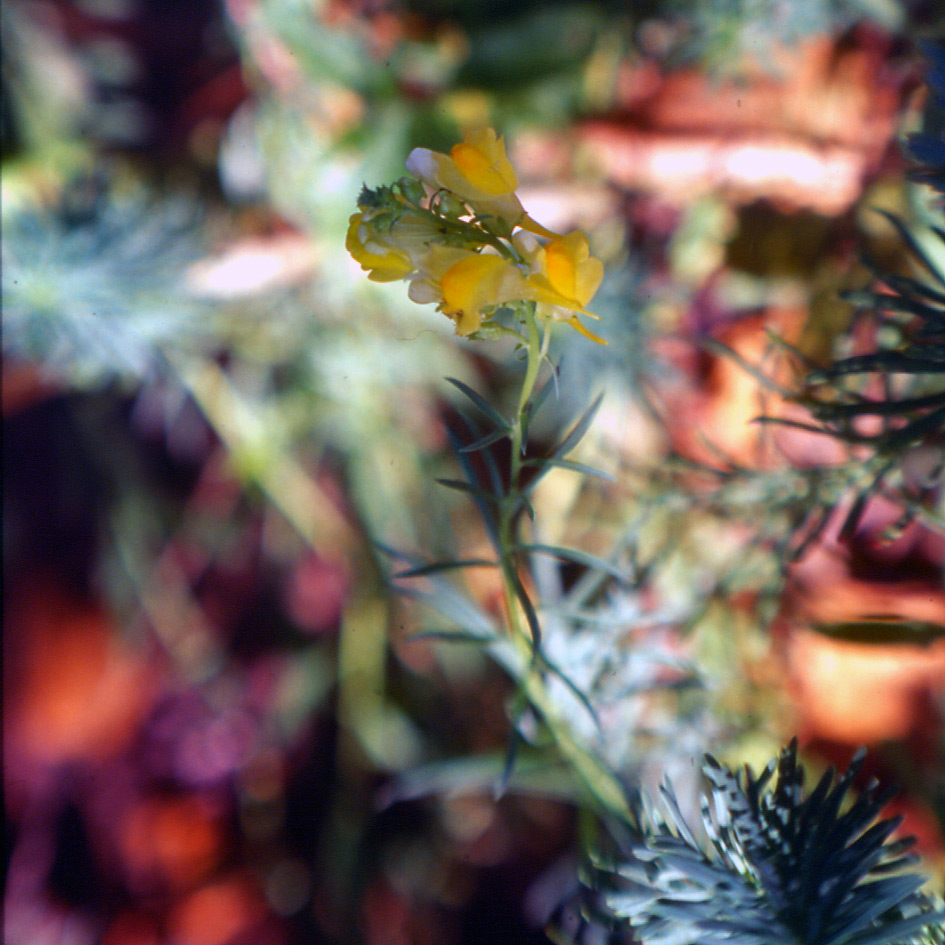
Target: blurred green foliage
point(324, 393)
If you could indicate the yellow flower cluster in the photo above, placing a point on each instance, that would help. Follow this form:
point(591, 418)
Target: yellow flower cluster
point(458, 234)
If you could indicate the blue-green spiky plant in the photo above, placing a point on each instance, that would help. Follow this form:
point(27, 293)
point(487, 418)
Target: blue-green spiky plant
point(776, 867)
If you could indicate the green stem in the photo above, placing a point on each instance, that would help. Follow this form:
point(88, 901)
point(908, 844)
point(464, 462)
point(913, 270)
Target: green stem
point(533, 363)
point(469, 232)
point(596, 776)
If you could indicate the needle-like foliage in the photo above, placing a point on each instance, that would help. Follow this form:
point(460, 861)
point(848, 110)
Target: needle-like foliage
point(776, 867)
point(94, 282)
point(892, 399)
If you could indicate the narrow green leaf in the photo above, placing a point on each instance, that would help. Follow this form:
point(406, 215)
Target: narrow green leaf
point(485, 441)
point(460, 485)
point(897, 932)
point(481, 403)
point(929, 424)
point(578, 693)
point(436, 567)
point(578, 557)
point(717, 347)
point(540, 462)
point(531, 617)
point(909, 239)
point(848, 436)
point(535, 404)
point(533, 774)
point(538, 401)
point(455, 607)
point(515, 742)
point(453, 636)
point(895, 361)
point(893, 892)
point(779, 342)
point(901, 284)
point(893, 303)
point(528, 508)
point(884, 408)
point(578, 430)
point(485, 506)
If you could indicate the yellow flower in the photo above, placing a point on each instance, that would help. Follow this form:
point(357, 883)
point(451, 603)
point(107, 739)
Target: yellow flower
point(381, 261)
point(388, 249)
point(565, 273)
point(477, 283)
point(465, 284)
point(420, 231)
point(478, 171)
point(481, 159)
point(431, 267)
point(565, 277)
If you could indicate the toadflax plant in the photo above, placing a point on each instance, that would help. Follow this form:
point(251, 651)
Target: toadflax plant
point(456, 231)
point(777, 867)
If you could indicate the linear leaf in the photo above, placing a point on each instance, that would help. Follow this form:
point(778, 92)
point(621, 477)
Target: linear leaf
point(570, 464)
point(515, 743)
point(578, 430)
point(533, 774)
point(901, 284)
point(455, 607)
point(578, 557)
point(881, 407)
point(530, 616)
point(436, 567)
point(895, 934)
point(711, 344)
point(485, 441)
point(931, 423)
point(485, 506)
point(453, 636)
point(460, 485)
point(895, 361)
point(892, 303)
point(909, 239)
point(576, 690)
point(484, 406)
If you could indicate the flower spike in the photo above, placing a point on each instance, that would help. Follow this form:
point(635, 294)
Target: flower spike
point(456, 231)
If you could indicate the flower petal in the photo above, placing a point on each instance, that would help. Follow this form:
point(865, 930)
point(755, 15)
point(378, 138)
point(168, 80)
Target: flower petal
point(380, 266)
point(571, 269)
point(481, 160)
point(479, 281)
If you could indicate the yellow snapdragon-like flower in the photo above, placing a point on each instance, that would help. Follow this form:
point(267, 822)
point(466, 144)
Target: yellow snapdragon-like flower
point(388, 248)
point(481, 160)
point(472, 285)
point(466, 284)
point(382, 262)
point(478, 171)
point(565, 277)
point(459, 235)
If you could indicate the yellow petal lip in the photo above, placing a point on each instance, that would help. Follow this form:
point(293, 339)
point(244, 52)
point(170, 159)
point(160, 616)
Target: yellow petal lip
point(482, 161)
point(478, 172)
point(564, 274)
point(479, 282)
point(386, 267)
point(571, 269)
